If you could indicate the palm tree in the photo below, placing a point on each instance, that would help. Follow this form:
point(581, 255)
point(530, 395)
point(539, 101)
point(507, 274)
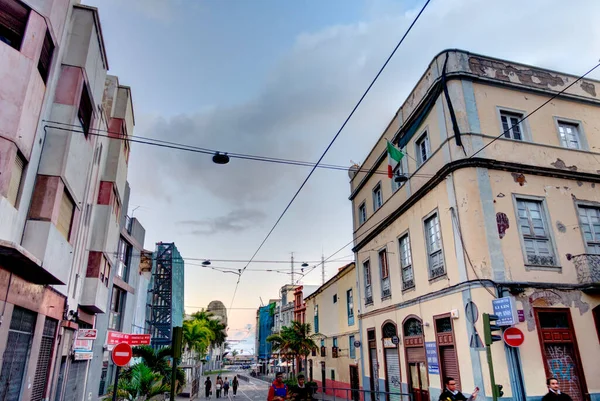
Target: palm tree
point(159, 362)
point(197, 336)
point(306, 342)
point(141, 381)
point(234, 354)
point(294, 342)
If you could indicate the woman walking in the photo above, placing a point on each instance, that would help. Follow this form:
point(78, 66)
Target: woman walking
point(207, 387)
point(226, 387)
point(219, 386)
point(235, 385)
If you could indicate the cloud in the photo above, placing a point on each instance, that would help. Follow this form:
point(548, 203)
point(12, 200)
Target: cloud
point(235, 221)
point(312, 88)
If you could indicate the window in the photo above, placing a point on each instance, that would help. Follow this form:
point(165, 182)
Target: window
point(569, 135)
point(85, 110)
point(316, 322)
point(511, 125)
point(323, 348)
point(116, 205)
point(332, 374)
point(362, 213)
point(116, 308)
point(334, 298)
point(368, 288)
point(377, 197)
point(104, 271)
point(422, 149)
point(386, 291)
point(124, 253)
point(433, 238)
point(13, 21)
point(335, 342)
point(351, 347)
point(350, 307)
point(65, 215)
point(534, 231)
point(15, 180)
point(46, 57)
point(408, 279)
point(589, 219)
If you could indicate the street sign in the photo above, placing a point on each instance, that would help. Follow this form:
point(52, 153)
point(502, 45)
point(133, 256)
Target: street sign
point(87, 334)
point(139, 339)
point(471, 312)
point(395, 340)
point(513, 337)
point(116, 337)
point(121, 354)
point(83, 355)
point(83, 345)
point(506, 310)
point(433, 365)
point(357, 344)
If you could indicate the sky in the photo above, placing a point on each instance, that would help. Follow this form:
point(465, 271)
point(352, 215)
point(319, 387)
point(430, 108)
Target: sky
point(277, 78)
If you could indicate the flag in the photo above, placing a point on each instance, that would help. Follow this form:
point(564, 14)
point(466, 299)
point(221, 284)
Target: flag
point(394, 157)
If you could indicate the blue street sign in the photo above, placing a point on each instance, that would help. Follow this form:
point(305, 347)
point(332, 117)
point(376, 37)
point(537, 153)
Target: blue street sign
point(506, 311)
point(432, 358)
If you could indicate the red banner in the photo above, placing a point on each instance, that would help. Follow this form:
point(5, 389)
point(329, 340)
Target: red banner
point(115, 337)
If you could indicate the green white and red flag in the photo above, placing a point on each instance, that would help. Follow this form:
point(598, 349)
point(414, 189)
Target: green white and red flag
point(394, 157)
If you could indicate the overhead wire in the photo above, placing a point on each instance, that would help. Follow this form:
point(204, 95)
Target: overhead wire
point(333, 141)
point(196, 149)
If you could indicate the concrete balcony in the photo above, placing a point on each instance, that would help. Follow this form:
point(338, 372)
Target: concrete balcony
point(94, 296)
point(43, 240)
point(588, 271)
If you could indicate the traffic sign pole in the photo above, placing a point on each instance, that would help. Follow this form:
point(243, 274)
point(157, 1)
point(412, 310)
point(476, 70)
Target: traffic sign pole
point(114, 397)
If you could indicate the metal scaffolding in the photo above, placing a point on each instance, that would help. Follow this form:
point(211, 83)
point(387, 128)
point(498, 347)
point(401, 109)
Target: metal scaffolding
point(165, 299)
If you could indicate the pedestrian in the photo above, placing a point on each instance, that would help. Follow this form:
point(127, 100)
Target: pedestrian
point(451, 393)
point(207, 387)
point(301, 392)
point(226, 387)
point(554, 393)
point(219, 386)
point(235, 383)
point(278, 390)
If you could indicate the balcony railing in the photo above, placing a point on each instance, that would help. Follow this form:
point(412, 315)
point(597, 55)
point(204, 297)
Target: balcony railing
point(588, 267)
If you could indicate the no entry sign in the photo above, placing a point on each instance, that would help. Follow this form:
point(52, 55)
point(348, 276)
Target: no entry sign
point(513, 337)
point(121, 354)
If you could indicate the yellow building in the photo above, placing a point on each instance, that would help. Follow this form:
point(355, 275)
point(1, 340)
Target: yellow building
point(494, 199)
point(332, 313)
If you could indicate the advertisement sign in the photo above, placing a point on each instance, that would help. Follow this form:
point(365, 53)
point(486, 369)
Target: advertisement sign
point(83, 345)
point(116, 337)
point(389, 343)
point(87, 334)
point(433, 365)
point(506, 310)
point(83, 355)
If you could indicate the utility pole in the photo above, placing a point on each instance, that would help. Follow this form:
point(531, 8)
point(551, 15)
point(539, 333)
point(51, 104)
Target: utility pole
point(322, 269)
point(292, 267)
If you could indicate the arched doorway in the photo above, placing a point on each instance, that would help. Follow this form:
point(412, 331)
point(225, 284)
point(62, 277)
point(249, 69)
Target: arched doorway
point(392, 361)
point(416, 360)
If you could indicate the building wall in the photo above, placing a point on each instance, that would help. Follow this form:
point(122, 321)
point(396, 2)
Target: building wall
point(471, 197)
point(333, 321)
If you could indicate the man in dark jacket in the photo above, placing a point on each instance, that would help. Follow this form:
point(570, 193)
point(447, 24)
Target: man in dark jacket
point(301, 392)
point(450, 392)
point(554, 393)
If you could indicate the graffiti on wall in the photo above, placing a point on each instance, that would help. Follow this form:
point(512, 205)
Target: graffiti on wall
point(562, 365)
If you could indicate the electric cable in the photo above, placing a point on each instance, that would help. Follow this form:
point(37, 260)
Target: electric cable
point(333, 140)
point(196, 149)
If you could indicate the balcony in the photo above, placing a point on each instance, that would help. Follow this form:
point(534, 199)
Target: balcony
point(94, 297)
point(588, 271)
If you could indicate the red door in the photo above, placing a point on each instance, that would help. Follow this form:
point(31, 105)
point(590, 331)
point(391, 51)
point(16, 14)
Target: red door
point(559, 350)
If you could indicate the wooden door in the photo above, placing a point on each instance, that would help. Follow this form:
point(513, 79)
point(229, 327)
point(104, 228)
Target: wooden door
point(416, 360)
point(418, 381)
point(560, 352)
point(444, 336)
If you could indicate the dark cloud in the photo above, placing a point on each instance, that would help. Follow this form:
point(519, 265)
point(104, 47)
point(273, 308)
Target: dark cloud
point(235, 221)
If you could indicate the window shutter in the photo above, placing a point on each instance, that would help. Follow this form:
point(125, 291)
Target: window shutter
point(15, 180)
point(65, 215)
point(13, 20)
point(85, 110)
point(46, 57)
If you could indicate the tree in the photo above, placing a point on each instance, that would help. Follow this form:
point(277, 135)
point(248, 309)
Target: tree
point(159, 362)
point(197, 336)
point(294, 342)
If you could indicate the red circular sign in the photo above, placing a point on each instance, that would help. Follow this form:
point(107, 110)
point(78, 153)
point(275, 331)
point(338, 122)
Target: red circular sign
point(513, 337)
point(121, 354)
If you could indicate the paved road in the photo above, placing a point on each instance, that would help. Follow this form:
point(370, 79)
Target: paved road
point(255, 390)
